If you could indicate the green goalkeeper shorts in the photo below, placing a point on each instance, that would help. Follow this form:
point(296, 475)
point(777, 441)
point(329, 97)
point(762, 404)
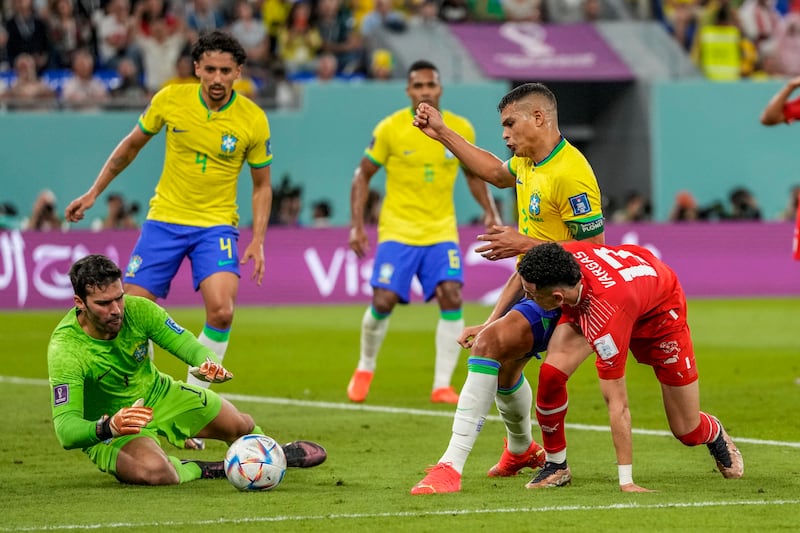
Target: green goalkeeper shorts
point(178, 415)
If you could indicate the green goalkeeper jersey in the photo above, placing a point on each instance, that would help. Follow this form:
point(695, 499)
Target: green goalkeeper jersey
point(90, 377)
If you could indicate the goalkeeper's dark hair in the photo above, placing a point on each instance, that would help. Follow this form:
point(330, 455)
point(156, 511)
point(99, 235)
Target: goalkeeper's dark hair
point(525, 90)
point(549, 265)
point(93, 271)
point(218, 41)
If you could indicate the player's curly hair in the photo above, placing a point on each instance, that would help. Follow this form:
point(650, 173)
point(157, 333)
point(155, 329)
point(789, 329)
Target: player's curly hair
point(525, 90)
point(218, 41)
point(549, 265)
point(93, 271)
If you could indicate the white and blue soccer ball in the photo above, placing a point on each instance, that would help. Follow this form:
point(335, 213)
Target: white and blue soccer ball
point(255, 462)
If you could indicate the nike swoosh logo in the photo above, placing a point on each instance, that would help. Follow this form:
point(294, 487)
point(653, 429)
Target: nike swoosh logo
point(176, 130)
point(223, 263)
point(408, 152)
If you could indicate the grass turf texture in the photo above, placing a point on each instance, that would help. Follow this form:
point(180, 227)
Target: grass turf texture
point(291, 368)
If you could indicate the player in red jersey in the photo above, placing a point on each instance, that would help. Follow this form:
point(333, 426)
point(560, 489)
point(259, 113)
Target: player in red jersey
point(615, 298)
point(780, 109)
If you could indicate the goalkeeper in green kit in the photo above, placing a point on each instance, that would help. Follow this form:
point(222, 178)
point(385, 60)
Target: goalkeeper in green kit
point(110, 400)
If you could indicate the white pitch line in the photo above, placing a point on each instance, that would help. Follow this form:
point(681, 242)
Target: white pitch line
point(448, 414)
point(407, 514)
point(419, 412)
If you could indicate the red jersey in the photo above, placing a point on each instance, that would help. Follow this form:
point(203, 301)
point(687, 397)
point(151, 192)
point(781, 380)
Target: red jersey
point(630, 300)
point(791, 110)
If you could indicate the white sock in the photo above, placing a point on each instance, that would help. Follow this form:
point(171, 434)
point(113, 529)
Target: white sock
point(558, 457)
point(515, 410)
point(218, 345)
point(474, 403)
point(447, 351)
point(373, 331)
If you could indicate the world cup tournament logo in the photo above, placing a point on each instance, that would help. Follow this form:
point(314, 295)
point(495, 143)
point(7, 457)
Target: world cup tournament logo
point(133, 266)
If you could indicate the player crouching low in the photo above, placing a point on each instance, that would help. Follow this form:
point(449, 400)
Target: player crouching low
point(98, 364)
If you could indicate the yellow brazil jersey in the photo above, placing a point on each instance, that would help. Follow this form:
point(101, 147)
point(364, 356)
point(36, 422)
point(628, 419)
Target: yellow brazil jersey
point(558, 199)
point(418, 208)
point(205, 152)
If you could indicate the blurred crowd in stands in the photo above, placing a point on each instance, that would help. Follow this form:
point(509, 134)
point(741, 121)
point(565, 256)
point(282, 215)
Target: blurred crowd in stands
point(46, 215)
point(89, 54)
point(288, 206)
point(735, 39)
point(740, 204)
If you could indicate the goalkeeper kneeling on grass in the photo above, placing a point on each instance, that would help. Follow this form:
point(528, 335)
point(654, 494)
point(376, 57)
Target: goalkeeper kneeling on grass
point(110, 400)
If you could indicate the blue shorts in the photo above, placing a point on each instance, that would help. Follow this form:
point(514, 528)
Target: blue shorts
point(161, 248)
point(542, 322)
point(396, 265)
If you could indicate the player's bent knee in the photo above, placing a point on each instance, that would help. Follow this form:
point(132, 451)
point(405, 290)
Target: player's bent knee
point(243, 424)
point(248, 423)
point(482, 345)
point(220, 318)
point(486, 345)
point(552, 387)
point(449, 295)
point(150, 471)
point(695, 437)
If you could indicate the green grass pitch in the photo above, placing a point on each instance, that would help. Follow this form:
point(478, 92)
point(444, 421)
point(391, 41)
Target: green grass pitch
point(291, 367)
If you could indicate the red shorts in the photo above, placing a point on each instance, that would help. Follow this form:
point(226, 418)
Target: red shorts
point(663, 342)
point(669, 352)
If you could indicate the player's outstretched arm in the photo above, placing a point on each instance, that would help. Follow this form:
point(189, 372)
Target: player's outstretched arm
point(615, 393)
point(262, 206)
point(122, 156)
point(509, 295)
point(482, 163)
point(773, 112)
point(480, 191)
point(359, 191)
point(503, 242)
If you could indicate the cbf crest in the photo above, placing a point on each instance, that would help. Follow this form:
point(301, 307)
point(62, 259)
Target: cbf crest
point(535, 205)
point(385, 273)
point(141, 352)
point(228, 143)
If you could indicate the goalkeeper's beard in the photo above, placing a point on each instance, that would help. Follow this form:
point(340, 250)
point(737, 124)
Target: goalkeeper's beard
point(113, 325)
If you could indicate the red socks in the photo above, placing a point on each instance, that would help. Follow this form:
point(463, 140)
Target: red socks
point(551, 407)
point(705, 432)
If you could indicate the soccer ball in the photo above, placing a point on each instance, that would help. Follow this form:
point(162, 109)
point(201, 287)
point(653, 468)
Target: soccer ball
point(255, 462)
